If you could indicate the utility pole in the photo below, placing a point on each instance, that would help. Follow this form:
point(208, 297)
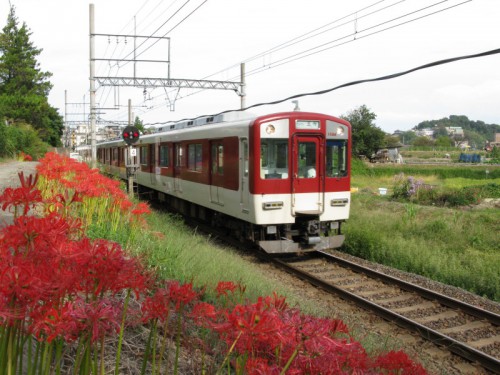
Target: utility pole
point(144, 82)
point(242, 86)
point(132, 168)
point(92, 89)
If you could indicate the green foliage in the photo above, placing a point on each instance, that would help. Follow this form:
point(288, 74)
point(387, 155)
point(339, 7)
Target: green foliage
point(444, 141)
point(415, 190)
point(457, 247)
point(18, 138)
point(473, 130)
point(359, 168)
point(24, 88)
point(442, 172)
point(366, 137)
point(423, 141)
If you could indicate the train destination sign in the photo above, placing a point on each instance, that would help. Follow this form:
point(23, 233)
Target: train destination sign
point(306, 124)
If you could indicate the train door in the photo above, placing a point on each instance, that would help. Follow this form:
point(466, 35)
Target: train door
point(216, 171)
point(307, 176)
point(178, 155)
point(155, 163)
point(244, 175)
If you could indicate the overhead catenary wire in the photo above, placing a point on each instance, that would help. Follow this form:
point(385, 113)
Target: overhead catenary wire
point(348, 84)
point(339, 41)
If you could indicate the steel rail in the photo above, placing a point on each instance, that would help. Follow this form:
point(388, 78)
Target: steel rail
point(457, 347)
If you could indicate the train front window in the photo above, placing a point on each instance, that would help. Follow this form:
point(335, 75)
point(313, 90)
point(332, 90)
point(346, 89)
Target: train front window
point(336, 158)
point(307, 160)
point(274, 159)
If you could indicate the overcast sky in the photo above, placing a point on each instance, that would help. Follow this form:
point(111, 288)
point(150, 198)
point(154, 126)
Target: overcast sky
point(344, 40)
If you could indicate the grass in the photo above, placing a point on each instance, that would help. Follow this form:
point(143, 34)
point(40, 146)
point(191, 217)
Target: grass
point(178, 252)
point(456, 246)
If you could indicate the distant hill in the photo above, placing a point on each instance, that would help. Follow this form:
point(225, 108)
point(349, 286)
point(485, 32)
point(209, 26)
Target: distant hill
point(486, 131)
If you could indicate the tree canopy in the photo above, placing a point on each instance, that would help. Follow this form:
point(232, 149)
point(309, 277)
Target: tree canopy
point(367, 138)
point(24, 87)
point(478, 131)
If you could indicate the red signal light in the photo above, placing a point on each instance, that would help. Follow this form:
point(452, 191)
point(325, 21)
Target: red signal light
point(130, 135)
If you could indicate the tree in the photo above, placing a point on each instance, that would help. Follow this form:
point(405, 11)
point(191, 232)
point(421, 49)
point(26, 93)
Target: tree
point(366, 137)
point(139, 124)
point(24, 88)
point(444, 141)
point(423, 141)
point(391, 141)
point(407, 137)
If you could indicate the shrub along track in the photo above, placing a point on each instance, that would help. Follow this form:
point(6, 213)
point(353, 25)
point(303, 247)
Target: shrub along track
point(471, 332)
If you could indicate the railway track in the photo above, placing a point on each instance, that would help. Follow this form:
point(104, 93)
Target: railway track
point(464, 329)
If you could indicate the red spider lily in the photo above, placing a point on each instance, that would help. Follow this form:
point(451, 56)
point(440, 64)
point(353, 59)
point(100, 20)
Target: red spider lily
point(181, 294)
point(105, 268)
point(225, 286)
point(49, 323)
point(277, 302)
point(156, 306)
point(26, 196)
point(24, 157)
point(257, 326)
point(22, 283)
point(398, 363)
point(261, 366)
point(30, 232)
point(141, 209)
point(96, 319)
point(320, 344)
point(61, 202)
point(204, 314)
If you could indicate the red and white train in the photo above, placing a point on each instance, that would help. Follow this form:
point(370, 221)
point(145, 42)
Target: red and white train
point(281, 180)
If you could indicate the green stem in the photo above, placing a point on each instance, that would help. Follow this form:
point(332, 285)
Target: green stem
point(229, 352)
point(290, 360)
point(163, 344)
point(178, 339)
point(148, 347)
point(122, 328)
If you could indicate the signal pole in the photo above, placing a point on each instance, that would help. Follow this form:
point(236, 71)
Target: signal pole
point(131, 169)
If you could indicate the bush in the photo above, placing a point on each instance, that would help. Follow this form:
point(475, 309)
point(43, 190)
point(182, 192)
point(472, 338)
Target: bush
point(21, 138)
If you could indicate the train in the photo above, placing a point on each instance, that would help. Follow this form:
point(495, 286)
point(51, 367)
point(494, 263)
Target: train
point(280, 180)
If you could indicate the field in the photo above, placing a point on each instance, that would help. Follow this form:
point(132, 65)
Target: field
point(448, 231)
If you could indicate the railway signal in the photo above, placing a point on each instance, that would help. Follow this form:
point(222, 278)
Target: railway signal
point(130, 135)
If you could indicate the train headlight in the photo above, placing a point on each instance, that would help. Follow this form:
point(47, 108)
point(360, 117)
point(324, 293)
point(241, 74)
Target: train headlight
point(340, 202)
point(272, 205)
point(270, 129)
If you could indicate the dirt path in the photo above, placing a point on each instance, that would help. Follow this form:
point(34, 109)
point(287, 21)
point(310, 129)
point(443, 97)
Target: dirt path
point(9, 178)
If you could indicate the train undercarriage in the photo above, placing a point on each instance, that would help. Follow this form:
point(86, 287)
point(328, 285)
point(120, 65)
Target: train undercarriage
point(308, 233)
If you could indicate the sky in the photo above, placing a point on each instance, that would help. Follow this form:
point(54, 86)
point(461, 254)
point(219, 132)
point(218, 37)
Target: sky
point(289, 47)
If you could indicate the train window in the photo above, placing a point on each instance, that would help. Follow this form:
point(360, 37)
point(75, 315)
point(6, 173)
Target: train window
point(195, 157)
point(336, 158)
point(274, 158)
point(217, 159)
point(245, 156)
point(144, 155)
point(178, 155)
point(115, 154)
point(307, 160)
point(164, 162)
point(152, 158)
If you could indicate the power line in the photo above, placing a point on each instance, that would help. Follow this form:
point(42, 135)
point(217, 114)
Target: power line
point(348, 84)
point(356, 35)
